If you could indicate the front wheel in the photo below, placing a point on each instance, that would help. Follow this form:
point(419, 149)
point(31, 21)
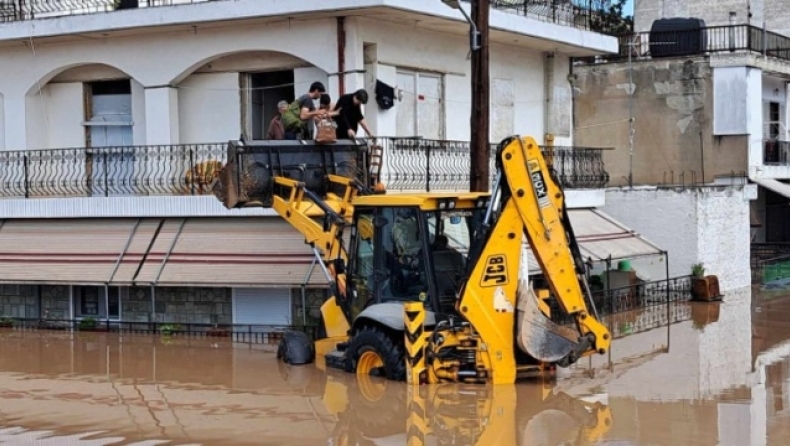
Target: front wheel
point(372, 352)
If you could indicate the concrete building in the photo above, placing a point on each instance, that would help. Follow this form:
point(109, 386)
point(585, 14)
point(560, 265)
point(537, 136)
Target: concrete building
point(709, 111)
point(111, 118)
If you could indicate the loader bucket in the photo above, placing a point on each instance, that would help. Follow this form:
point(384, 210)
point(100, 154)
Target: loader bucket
point(246, 180)
point(538, 336)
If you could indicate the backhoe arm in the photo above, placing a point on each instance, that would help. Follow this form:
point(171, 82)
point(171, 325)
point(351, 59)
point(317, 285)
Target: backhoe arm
point(529, 184)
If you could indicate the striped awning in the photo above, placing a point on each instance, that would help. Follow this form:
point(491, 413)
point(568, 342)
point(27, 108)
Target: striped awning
point(73, 251)
point(233, 251)
point(240, 252)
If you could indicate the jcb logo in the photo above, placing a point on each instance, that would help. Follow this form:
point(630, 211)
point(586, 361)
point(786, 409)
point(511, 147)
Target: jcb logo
point(538, 183)
point(495, 273)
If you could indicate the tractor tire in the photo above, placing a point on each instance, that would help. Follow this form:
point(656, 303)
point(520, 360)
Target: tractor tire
point(373, 352)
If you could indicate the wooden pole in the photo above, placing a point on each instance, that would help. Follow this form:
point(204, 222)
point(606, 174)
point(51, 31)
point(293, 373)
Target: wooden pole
point(480, 142)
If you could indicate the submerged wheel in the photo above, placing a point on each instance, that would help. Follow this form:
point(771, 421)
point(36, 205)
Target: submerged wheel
point(372, 352)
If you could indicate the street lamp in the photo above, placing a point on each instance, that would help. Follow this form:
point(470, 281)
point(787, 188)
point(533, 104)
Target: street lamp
point(474, 34)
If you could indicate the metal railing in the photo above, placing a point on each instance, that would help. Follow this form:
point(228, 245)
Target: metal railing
point(18, 10)
point(703, 41)
point(769, 261)
point(776, 153)
point(241, 333)
point(614, 301)
point(581, 14)
point(438, 165)
point(186, 169)
point(190, 169)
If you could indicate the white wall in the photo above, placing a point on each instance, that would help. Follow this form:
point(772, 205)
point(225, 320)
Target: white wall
point(708, 225)
point(2, 122)
point(65, 109)
point(209, 108)
point(405, 47)
point(138, 113)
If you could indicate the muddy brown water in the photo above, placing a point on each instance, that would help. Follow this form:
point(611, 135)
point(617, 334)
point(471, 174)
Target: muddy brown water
point(719, 376)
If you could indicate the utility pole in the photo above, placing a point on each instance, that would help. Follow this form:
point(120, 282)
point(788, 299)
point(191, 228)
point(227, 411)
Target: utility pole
point(480, 146)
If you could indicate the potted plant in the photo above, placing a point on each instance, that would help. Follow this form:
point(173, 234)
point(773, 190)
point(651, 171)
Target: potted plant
point(698, 270)
point(699, 283)
point(6, 323)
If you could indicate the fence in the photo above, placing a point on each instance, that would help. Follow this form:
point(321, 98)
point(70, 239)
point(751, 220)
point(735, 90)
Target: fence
point(110, 171)
point(769, 261)
point(707, 40)
point(439, 165)
point(636, 297)
point(247, 334)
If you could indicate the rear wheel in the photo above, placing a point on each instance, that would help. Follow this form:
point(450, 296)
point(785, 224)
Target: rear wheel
point(373, 352)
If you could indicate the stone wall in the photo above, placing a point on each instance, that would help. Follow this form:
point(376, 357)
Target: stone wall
point(672, 109)
point(55, 302)
point(19, 301)
point(179, 305)
point(708, 225)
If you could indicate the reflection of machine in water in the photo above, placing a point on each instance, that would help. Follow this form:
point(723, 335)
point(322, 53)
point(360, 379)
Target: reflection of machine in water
point(373, 411)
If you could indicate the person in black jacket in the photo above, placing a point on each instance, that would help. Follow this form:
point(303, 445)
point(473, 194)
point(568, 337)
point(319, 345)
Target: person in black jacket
point(350, 117)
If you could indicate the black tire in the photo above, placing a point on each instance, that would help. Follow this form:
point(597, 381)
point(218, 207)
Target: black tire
point(374, 339)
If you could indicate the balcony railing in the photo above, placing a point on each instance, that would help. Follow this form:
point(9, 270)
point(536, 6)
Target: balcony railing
point(582, 14)
point(704, 41)
point(110, 171)
point(425, 164)
point(776, 152)
point(190, 169)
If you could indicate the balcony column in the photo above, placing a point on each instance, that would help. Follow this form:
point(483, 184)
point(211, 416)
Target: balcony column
point(13, 122)
point(161, 115)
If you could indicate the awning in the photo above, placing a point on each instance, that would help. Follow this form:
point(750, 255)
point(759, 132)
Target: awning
point(601, 237)
point(73, 251)
point(229, 252)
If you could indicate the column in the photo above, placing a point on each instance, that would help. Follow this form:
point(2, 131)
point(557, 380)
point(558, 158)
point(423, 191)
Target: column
point(161, 115)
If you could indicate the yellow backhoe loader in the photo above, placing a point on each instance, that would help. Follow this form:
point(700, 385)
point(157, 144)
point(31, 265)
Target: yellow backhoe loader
point(429, 288)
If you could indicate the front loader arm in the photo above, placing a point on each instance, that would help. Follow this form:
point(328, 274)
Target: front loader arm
point(300, 209)
point(529, 184)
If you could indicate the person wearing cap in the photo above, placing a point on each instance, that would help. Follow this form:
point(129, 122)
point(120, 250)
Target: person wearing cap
point(276, 129)
point(350, 117)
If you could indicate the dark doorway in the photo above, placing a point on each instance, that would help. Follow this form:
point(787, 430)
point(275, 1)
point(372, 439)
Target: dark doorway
point(268, 89)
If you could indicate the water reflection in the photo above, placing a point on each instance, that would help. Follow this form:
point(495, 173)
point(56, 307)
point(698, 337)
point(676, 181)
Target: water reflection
point(719, 375)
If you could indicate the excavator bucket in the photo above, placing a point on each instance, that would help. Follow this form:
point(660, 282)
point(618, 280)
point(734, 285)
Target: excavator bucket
point(538, 335)
point(246, 179)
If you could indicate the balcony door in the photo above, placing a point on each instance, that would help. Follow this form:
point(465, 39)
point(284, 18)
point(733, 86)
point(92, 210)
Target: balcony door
point(421, 113)
point(109, 131)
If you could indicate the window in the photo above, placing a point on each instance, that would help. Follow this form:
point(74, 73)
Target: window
point(773, 120)
point(421, 113)
point(109, 114)
point(89, 301)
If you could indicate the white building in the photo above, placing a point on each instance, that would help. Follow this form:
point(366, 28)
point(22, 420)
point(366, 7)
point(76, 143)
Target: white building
point(104, 114)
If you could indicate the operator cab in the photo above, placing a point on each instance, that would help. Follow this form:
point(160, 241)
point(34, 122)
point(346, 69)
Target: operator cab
point(405, 253)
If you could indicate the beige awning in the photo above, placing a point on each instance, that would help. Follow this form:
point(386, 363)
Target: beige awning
point(601, 236)
point(73, 251)
point(229, 252)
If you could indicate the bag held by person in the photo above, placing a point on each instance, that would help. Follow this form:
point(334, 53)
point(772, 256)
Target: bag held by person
point(326, 131)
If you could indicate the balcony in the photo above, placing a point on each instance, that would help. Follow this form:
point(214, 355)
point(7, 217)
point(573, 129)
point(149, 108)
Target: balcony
point(410, 164)
point(705, 41)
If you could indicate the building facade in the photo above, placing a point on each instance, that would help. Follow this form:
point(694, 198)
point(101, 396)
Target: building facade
point(113, 118)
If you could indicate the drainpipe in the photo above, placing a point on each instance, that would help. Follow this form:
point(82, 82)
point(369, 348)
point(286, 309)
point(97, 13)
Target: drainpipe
point(341, 55)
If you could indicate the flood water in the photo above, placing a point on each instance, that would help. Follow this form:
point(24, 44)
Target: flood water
point(718, 376)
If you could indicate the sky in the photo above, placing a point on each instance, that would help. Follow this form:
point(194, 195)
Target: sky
point(629, 8)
